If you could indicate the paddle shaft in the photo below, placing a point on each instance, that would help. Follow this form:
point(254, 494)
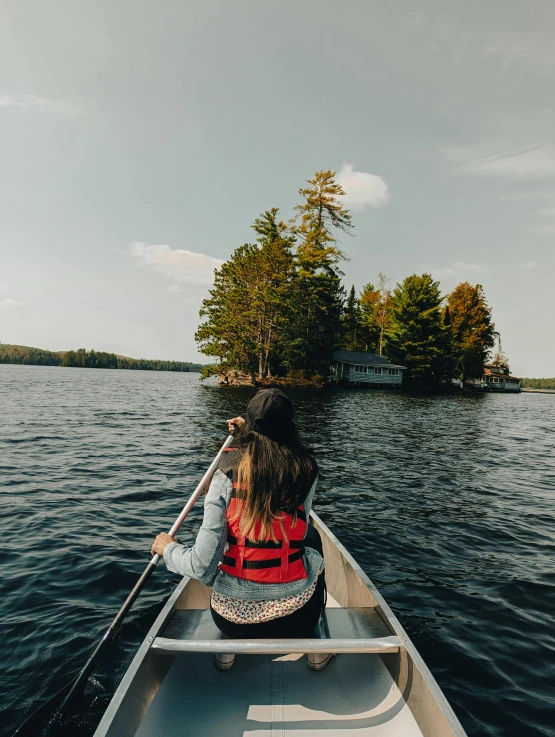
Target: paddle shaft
point(82, 678)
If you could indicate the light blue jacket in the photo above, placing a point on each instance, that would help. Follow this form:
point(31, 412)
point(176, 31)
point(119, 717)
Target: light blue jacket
point(202, 560)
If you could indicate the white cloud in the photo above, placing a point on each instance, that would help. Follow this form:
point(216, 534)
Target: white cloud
point(66, 108)
point(536, 162)
point(12, 303)
point(443, 273)
point(459, 269)
point(475, 268)
point(529, 265)
point(545, 229)
point(174, 289)
point(362, 189)
point(175, 263)
point(523, 50)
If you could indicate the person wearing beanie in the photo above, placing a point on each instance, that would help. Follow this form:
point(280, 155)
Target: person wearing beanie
point(256, 547)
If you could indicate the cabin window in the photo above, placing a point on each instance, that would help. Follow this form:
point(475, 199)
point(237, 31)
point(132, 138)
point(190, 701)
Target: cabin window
point(377, 370)
point(358, 369)
point(393, 372)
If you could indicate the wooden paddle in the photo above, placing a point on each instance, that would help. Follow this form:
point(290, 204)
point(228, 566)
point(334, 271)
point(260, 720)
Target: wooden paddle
point(51, 714)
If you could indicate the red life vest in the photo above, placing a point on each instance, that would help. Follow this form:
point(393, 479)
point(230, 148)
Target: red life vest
point(268, 561)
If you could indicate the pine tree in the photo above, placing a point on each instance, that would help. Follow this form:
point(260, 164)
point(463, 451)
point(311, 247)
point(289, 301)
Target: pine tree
point(375, 304)
point(318, 295)
point(501, 361)
point(369, 298)
point(274, 289)
point(250, 303)
point(229, 331)
point(417, 337)
point(352, 328)
point(472, 330)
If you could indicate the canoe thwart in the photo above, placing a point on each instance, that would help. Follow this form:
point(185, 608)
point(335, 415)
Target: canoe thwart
point(352, 630)
point(279, 647)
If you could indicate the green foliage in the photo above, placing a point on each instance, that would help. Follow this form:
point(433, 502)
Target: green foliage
point(87, 359)
point(417, 337)
point(375, 304)
point(318, 294)
point(472, 329)
point(352, 328)
point(250, 303)
point(278, 309)
point(275, 307)
point(538, 383)
point(23, 354)
point(369, 300)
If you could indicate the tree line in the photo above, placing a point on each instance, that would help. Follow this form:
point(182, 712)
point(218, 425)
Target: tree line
point(538, 383)
point(278, 307)
point(88, 359)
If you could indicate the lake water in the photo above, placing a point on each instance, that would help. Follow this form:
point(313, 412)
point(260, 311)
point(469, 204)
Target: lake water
point(447, 502)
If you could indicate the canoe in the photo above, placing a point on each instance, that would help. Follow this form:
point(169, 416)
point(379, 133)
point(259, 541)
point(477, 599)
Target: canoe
point(377, 686)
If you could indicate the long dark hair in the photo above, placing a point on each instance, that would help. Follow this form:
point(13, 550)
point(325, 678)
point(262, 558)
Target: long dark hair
point(274, 476)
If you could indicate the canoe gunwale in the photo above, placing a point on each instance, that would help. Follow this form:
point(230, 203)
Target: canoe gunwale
point(142, 661)
point(151, 663)
point(414, 658)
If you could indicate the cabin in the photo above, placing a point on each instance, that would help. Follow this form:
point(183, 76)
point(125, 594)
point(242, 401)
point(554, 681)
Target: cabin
point(353, 367)
point(496, 380)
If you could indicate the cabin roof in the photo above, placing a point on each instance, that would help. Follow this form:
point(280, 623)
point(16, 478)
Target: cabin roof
point(489, 372)
point(364, 359)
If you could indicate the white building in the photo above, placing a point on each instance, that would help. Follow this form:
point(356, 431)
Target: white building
point(353, 367)
point(496, 380)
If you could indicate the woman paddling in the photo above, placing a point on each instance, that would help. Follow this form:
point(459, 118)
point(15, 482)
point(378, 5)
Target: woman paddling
point(255, 547)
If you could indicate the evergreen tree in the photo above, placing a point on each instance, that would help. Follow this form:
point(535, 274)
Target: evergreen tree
point(88, 359)
point(369, 298)
point(274, 289)
point(352, 328)
point(249, 306)
point(501, 361)
point(472, 330)
point(417, 337)
point(230, 329)
point(318, 294)
point(375, 304)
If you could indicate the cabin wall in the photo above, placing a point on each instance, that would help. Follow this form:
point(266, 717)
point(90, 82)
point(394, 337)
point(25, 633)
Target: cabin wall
point(371, 378)
point(498, 384)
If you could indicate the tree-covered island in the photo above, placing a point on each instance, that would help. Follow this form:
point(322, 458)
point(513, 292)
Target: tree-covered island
point(278, 307)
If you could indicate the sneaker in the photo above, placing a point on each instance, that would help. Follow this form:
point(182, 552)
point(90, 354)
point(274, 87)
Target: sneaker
point(318, 661)
point(224, 661)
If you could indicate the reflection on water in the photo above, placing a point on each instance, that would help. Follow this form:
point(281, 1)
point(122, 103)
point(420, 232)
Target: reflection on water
point(447, 503)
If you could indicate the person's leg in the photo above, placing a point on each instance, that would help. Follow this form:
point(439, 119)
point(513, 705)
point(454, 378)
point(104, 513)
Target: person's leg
point(299, 624)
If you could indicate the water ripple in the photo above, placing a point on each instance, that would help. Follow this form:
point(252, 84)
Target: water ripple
point(447, 503)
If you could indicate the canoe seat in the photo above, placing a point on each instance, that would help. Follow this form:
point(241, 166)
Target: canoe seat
point(352, 630)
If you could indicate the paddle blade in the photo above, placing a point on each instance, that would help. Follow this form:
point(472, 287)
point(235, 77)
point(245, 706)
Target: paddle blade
point(46, 721)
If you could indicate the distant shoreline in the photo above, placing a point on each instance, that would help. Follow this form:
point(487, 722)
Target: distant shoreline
point(537, 391)
point(82, 358)
point(96, 368)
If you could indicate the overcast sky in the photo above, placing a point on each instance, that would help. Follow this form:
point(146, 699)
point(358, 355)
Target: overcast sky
point(139, 140)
